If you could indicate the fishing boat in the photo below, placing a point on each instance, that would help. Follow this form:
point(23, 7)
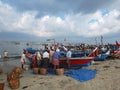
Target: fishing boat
point(117, 43)
point(11, 55)
point(115, 50)
point(116, 53)
point(79, 61)
point(102, 56)
point(29, 55)
point(32, 51)
point(75, 60)
point(14, 55)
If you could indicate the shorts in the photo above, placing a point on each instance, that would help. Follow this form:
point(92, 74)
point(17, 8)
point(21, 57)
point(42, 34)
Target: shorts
point(55, 62)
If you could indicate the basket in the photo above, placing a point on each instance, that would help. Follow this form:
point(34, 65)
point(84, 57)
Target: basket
point(35, 70)
point(43, 71)
point(2, 86)
point(60, 71)
point(18, 70)
point(14, 83)
point(12, 75)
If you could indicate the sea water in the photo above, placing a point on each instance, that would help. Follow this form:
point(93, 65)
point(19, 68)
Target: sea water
point(14, 47)
point(11, 47)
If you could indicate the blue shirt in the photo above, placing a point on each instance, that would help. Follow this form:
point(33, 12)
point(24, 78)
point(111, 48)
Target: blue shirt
point(56, 55)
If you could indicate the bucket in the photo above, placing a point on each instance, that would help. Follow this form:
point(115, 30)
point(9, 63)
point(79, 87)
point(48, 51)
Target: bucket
point(60, 71)
point(43, 71)
point(1, 86)
point(35, 70)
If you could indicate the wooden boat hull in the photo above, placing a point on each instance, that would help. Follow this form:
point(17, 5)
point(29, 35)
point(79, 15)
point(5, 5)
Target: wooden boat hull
point(84, 61)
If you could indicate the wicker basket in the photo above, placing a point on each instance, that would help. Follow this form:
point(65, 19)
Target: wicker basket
point(18, 70)
point(2, 86)
point(60, 71)
point(12, 75)
point(35, 70)
point(43, 71)
point(14, 83)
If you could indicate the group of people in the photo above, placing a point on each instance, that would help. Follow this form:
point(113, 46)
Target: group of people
point(46, 58)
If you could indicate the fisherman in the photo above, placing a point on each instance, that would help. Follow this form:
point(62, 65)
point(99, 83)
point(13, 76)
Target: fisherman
point(51, 53)
point(68, 55)
point(45, 61)
point(0, 56)
point(23, 60)
point(39, 58)
point(35, 60)
point(5, 54)
point(56, 59)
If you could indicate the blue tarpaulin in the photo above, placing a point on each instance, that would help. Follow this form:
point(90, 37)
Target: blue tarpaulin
point(82, 75)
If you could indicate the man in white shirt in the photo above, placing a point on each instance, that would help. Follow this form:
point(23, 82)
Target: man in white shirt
point(5, 54)
point(45, 62)
point(68, 55)
point(23, 60)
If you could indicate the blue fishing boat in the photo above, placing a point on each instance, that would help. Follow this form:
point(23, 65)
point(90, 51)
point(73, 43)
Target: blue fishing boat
point(78, 58)
point(32, 51)
point(102, 57)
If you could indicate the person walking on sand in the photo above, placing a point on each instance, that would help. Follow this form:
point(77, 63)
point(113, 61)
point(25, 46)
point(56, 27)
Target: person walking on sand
point(56, 58)
point(23, 60)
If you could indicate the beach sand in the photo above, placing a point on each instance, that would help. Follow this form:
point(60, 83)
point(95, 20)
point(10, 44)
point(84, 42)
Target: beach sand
point(107, 78)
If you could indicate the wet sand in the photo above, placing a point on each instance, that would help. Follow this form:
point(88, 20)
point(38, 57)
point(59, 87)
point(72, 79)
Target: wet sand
point(107, 78)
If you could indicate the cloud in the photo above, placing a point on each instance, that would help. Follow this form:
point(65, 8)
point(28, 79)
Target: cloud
point(57, 7)
point(53, 19)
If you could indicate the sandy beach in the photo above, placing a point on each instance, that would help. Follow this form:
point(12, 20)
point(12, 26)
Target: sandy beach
point(107, 78)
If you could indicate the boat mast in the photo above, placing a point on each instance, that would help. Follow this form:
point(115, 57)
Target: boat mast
point(96, 41)
point(101, 40)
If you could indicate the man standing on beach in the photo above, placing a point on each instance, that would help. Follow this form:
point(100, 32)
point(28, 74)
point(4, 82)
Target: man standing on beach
point(51, 53)
point(5, 54)
point(68, 55)
point(39, 58)
point(56, 58)
point(45, 60)
point(23, 60)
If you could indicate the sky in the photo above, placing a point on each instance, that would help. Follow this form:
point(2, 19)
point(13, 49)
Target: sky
point(83, 21)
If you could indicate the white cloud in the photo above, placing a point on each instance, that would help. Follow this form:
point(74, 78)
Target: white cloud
point(106, 25)
point(48, 26)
